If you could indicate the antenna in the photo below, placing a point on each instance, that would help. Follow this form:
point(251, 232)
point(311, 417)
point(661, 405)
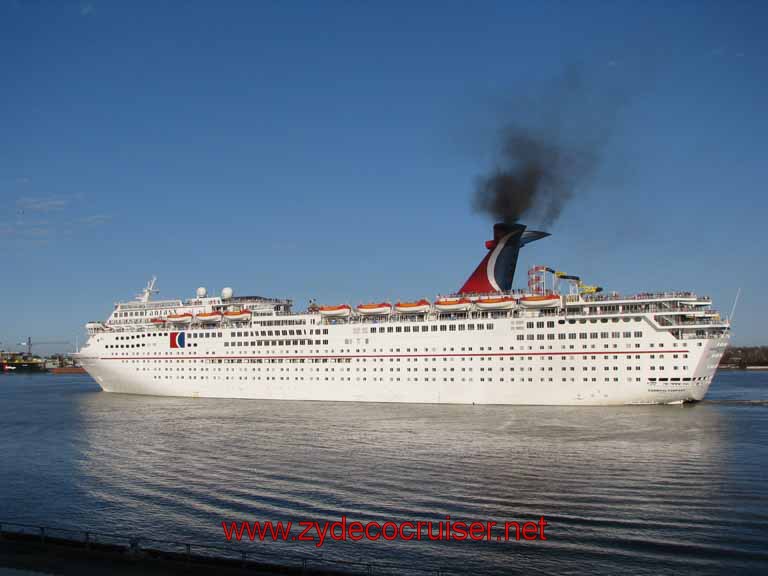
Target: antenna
point(146, 294)
point(735, 302)
point(29, 344)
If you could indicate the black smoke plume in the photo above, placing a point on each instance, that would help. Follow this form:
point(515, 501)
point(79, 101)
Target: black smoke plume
point(541, 164)
point(535, 177)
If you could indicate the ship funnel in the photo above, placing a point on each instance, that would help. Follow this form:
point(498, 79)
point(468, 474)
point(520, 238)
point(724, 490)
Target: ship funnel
point(497, 270)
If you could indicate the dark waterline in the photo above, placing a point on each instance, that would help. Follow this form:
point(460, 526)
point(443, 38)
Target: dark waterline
point(646, 489)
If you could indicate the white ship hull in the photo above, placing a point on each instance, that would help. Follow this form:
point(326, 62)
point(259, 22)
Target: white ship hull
point(116, 380)
point(584, 350)
point(350, 363)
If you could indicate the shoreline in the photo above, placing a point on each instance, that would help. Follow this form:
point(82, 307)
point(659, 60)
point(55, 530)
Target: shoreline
point(745, 369)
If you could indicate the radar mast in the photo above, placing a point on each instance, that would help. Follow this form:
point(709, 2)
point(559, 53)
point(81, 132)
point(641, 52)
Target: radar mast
point(146, 294)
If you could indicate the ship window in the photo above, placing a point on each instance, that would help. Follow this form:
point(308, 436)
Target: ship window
point(424, 328)
point(539, 324)
point(433, 328)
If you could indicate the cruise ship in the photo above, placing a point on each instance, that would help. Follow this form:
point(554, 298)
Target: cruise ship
point(557, 342)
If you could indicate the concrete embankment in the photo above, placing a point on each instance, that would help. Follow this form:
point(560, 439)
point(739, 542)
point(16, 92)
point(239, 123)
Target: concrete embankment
point(42, 553)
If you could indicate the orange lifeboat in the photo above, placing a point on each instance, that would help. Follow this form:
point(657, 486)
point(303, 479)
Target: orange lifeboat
point(184, 318)
point(209, 317)
point(417, 307)
point(453, 304)
point(540, 301)
point(341, 311)
point(238, 315)
point(380, 309)
point(158, 321)
point(496, 303)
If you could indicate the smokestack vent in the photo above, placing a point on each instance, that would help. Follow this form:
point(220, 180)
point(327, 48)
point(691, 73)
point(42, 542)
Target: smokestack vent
point(497, 270)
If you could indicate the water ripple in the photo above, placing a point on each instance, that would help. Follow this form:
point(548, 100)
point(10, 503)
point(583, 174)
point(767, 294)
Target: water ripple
point(651, 490)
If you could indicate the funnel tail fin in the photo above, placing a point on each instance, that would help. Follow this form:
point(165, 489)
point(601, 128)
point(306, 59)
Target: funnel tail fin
point(496, 271)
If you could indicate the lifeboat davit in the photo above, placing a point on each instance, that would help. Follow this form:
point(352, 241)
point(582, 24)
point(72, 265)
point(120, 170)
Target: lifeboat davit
point(418, 307)
point(341, 311)
point(380, 309)
point(453, 304)
point(158, 321)
point(496, 303)
point(209, 317)
point(238, 315)
point(540, 301)
point(185, 318)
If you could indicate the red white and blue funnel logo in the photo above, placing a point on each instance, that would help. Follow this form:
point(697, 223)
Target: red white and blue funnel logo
point(497, 270)
point(177, 340)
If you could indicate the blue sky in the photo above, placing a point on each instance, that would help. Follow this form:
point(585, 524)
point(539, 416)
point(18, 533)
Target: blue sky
point(330, 149)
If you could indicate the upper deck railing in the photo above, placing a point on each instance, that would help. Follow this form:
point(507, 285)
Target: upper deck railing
point(650, 303)
point(642, 296)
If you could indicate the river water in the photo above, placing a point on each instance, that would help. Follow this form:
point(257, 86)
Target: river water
point(644, 489)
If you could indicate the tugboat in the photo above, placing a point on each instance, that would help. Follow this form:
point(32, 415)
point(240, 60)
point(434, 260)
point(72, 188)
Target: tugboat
point(15, 363)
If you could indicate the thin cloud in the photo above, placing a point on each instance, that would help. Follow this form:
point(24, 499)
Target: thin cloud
point(38, 218)
point(96, 219)
point(86, 8)
point(50, 204)
point(26, 229)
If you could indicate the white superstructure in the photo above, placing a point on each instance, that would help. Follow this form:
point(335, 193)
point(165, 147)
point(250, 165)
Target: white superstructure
point(537, 347)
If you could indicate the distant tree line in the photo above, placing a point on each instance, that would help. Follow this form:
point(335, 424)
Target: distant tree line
point(743, 356)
